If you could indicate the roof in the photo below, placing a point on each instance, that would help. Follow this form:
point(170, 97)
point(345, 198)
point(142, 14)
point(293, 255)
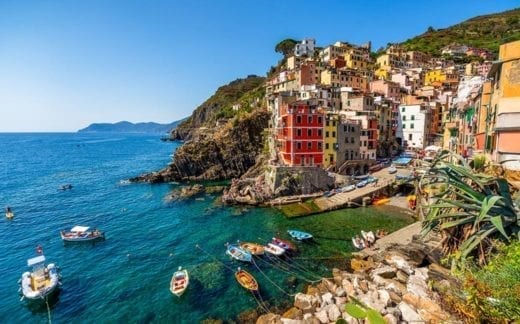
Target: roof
point(79, 229)
point(36, 260)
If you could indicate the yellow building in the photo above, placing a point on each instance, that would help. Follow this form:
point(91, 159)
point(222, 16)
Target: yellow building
point(434, 76)
point(383, 74)
point(356, 58)
point(330, 139)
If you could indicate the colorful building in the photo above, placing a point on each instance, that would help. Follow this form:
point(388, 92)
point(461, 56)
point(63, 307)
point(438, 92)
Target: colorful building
point(330, 139)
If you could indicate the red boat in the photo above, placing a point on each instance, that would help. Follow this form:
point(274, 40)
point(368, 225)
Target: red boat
point(286, 245)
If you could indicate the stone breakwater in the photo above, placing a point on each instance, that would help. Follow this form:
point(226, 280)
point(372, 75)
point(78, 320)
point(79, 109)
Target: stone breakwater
point(395, 282)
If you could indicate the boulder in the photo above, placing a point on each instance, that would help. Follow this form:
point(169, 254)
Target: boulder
point(417, 285)
point(311, 290)
point(384, 296)
point(269, 318)
point(337, 275)
point(291, 321)
point(307, 303)
point(399, 262)
point(363, 285)
point(408, 313)
point(438, 273)
point(348, 286)
point(386, 272)
point(358, 265)
point(341, 301)
point(411, 299)
point(249, 316)
point(395, 286)
point(401, 276)
point(395, 298)
point(430, 311)
point(390, 319)
point(311, 320)
point(327, 299)
point(322, 316)
point(421, 272)
point(293, 313)
point(340, 292)
point(331, 286)
point(333, 312)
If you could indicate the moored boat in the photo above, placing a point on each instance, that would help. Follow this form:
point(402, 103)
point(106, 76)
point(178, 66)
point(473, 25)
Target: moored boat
point(41, 281)
point(274, 249)
point(392, 169)
point(238, 253)
point(179, 282)
point(81, 234)
point(348, 188)
point(299, 235)
point(9, 213)
point(380, 201)
point(64, 187)
point(361, 184)
point(286, 245)
point(246, 280)
point(368, 236)
point(358, 243)
point(253, 248)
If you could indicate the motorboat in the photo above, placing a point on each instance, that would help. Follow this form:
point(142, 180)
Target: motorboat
point(253, 248)
point(361, 184)
point(9, 213)
point(82, 234)
point(299, 235)
point(64, 187)
point(392, 170)
point(238, 253)
point(286, 245)
point(41, 281)
point(246, 280)
point(274, 249)
point(179, 282)
point(348, 188)
point(361, 177)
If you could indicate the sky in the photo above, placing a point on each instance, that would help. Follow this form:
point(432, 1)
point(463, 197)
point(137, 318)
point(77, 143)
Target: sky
point(66, 64)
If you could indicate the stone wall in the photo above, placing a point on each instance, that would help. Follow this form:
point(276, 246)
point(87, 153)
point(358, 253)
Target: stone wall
point(284, 180)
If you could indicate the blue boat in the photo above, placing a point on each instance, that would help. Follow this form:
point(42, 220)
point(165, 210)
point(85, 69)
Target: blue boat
point(361, 184)
point(238, 253)
point(299, 235)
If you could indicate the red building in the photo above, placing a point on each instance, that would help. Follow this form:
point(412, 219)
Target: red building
point(300, 135)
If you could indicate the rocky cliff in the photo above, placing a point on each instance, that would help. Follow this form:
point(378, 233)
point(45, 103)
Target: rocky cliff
point(227, 153)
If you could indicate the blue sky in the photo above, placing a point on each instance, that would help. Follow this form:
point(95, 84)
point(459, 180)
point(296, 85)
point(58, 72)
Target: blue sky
point(66, 64)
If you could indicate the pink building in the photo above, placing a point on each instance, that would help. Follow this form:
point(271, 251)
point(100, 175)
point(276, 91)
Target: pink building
point(386, 88)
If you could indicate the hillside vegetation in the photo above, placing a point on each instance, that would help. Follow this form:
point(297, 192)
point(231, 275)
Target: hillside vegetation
point(488, 31)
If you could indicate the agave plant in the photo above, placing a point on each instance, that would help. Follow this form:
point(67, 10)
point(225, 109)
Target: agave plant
point(471, 210)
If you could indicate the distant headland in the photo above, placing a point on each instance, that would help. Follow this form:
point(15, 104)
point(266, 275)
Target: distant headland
point(128, 127)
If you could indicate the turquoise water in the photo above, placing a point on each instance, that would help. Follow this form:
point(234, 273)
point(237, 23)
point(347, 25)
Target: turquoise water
point(126, 277)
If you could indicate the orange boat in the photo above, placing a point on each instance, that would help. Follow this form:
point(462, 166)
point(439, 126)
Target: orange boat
point(253, 248)
point(246, 280)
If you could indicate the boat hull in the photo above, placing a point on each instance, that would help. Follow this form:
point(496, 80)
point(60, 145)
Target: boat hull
point(238, 253)
point(179, 283)
point(246, 280)
point(274, 249)
point(253, 248)
point(88, 237)
point(299, 235)
point(9, 215)
point(47, 285)
point(288, 246)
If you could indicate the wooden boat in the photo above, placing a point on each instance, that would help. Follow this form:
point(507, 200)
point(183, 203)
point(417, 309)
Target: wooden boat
point(238, 253)
point(299, 235)
point(274, 249)
point(253, 248)
point(286, 245)
point(360, 245)
point(246, 280)
point(380, 201)
point(41, 281)
point(179, 282)
point(81, 234)
point(369, 236)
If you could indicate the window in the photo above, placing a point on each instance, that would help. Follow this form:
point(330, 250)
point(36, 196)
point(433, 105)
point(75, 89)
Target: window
point(333, 134)
point(333, 123)
point(309, 119)
point(411, 125)
point(298, 132)
point(404, 126)
point(326, 146)
point(364, 143)
point(326, 134)
point(404, 118)
point(309, 132)
point(320, 133)
point(402, 109)
point(298, 119)
point(327, 123)
point(352, 140)
point(412, 117)
point(320, 145)
point(345, 128)
point(348, 102)
point(309, 145)
point(319, 120)
point(299, 145)
point(410, 137)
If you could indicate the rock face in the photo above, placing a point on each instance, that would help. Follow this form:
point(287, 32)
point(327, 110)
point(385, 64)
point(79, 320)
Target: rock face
point(227, 154)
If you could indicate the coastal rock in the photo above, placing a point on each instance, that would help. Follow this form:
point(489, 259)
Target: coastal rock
point(269, 318)
point(438, 273)
point(333, 312)
point(340, 292)
point(395, 286)
point(417, 285)
point(322, 316)
point(386, 272)
point(395, 298)
point(408, 313)
point(384, 296)
point(340, 301)
point(359, 265)
point(337, 275)
point(390, 319)
point(327, 299)
point(363, 285)
point(411, 299)
point(291, 321)
point(401, 276)
point(430, 311)
point(398, 262)
point(311, 320)
point(307, 303)
point(293, 313)
point(348, 286)
point(311, 290)
point(248, 316)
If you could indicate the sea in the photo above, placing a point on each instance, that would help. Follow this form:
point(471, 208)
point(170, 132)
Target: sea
point(125, 279)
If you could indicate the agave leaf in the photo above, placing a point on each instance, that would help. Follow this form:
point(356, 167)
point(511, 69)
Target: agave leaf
point(457, 222)
point(374, 317)
point(355, 311)
point(487, 204)
point(497, 221)
point(455, 215)
point(470, 244)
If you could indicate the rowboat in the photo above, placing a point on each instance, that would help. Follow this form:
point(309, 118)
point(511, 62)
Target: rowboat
point(358, 244)
point(179, 282)
point(9, 213)
point(369, 236)
point(238, 253)
point(362, 184)
point(81, 234)
point(348, 188)
point(41, 281)
point(253, 248)
point(299, 235)
point(246, 280)
point(274, 249)
point(286, 245)
point(381, 201)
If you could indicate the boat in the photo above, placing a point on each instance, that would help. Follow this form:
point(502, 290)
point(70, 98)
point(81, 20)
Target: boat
point(253, 248)
point(348, 188)
point(392, 169)
point(274, 249)
point(380, 201)
point(81, 234)
point(238, 253)
point(361, 177)
point(9, 213)
point(362, 184)
point(246, 280)
point(368, 236)
point(299, 235)
point(358, 244)
point(179, 282)
point(41, 281)
point(64, 187)
point(286, 245)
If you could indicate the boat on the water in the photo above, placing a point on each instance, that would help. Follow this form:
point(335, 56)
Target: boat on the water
point(361, 184)
point(253, 248)
point(274, 249)
point(238, 253)
point(286, 245)
point(81, 234)
point(41, 281)
point(64, 187)
point(368, 236)
point(299, 235)
point(179, 282)
point(9, 213)
point(358, 243)
point(246, 280)
point(348, 188)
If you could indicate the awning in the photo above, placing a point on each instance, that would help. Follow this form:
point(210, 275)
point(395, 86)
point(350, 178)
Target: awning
point(79, 229)
point(36, 260)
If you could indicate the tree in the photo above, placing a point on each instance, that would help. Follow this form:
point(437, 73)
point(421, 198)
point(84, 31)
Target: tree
point(430, 29)
point(286, 46)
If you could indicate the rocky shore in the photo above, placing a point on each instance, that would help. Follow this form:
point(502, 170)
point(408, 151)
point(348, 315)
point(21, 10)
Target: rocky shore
point(395, 281)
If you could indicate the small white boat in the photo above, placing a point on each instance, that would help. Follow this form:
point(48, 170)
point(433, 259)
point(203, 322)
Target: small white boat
point(369, 236)
point(274, 249)
point(348, 188)
point(9, 213)
point(179, 282)
point(81, 234)
point(41, 281)
point(358, 243)
point(392, 169)
point(299, 235)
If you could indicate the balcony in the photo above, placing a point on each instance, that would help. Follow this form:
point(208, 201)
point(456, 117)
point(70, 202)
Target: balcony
point(452, 125)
